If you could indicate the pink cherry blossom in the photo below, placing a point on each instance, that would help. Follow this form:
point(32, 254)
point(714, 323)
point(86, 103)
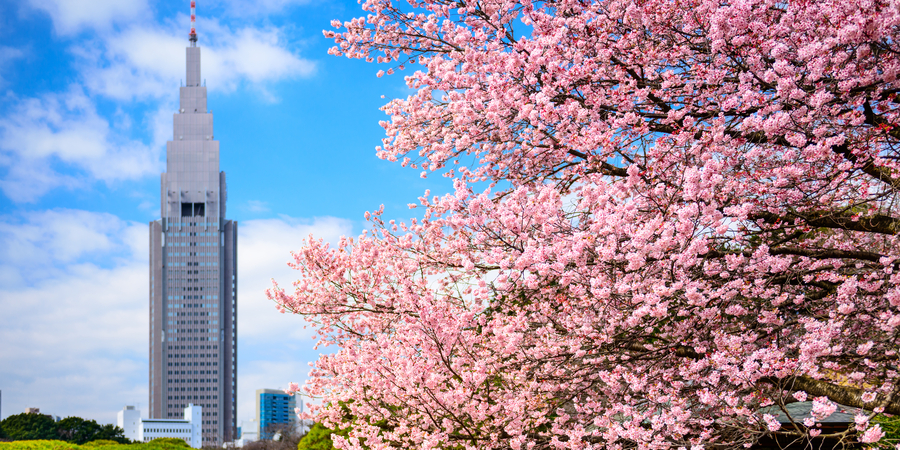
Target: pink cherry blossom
point(822, 408)
point(665, 217)
point(771, 423)
point(873, 434)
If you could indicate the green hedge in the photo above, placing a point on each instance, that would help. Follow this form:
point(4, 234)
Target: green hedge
point(891, 428)
point(156, 444)
point(39, 445)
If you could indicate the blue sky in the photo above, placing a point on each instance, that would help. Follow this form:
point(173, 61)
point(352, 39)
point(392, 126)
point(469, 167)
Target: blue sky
point(87, 93)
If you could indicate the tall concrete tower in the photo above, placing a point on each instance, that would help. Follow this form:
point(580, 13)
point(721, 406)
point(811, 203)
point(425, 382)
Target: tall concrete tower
point(193, 273)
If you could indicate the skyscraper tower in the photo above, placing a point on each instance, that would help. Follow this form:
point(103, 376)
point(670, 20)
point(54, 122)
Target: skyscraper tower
point(193, 273)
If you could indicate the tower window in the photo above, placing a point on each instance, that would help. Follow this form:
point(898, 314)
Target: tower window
point(193, 209)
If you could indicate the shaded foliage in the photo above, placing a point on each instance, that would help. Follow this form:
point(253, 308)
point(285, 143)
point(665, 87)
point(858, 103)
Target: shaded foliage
point(77, 430)
point(319, 438)
point(29, 426)
point(891, 428)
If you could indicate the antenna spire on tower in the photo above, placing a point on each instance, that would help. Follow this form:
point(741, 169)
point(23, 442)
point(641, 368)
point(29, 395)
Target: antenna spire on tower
point(193, 36)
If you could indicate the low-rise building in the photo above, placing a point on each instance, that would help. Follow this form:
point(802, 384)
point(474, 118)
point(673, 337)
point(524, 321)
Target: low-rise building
point(249, 433)
point(145, 430)
point(794, 414)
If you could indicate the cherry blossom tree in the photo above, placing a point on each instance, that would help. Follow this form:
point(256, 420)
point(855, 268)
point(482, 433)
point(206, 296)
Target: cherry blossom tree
point(670, 218)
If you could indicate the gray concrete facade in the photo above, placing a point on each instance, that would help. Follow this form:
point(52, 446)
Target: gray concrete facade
point(193, 275)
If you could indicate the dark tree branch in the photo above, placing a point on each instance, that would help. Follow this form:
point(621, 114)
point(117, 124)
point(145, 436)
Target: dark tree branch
point(827, 253)
point(877, 223)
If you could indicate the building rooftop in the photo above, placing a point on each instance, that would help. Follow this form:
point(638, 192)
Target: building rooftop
point(801, 410)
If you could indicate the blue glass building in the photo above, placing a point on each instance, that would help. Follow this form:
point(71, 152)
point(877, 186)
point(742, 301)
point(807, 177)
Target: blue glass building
point(274, 410)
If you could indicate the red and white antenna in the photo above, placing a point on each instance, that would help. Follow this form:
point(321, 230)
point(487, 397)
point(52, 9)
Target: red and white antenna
point(193, 22)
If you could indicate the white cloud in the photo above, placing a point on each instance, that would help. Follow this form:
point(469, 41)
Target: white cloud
point(7, 56)
point(256, 8)
point(274, 348)
point(257, 206)
point(263, 373)
point(160, 123)
point(265, 247)
point(74, 319)
point(255, 54)
point(147, 62)
point(38, 135)
point(70, 234)
point(74, 325)
point(73, 16)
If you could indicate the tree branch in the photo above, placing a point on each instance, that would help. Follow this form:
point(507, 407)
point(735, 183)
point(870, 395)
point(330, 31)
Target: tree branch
point(845, 395)
point(877, 223)
point(826, 253)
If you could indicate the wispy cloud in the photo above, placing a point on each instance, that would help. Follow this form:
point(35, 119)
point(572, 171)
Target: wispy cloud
point(71, 17)
point(256, 8)
point(74, 317)
point(143, 62)
point(257, 206)
point(40, 135)
point(265, 250)
point(7, 56)
point(44, 239)
point(73, 297)
point(264, 333)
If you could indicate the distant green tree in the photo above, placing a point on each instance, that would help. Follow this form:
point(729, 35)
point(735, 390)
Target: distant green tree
point(319, 438)
point(80, 431)
point(111, 432)
point(29, 426)
point(77, 430)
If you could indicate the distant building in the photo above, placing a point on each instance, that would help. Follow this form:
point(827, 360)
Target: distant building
point(793, 415)
point(248, 433)
point(38, 411)
point(274, 409)
point(146, 430)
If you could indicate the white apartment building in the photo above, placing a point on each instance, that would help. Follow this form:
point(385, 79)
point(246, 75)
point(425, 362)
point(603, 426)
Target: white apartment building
point(146, 430)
